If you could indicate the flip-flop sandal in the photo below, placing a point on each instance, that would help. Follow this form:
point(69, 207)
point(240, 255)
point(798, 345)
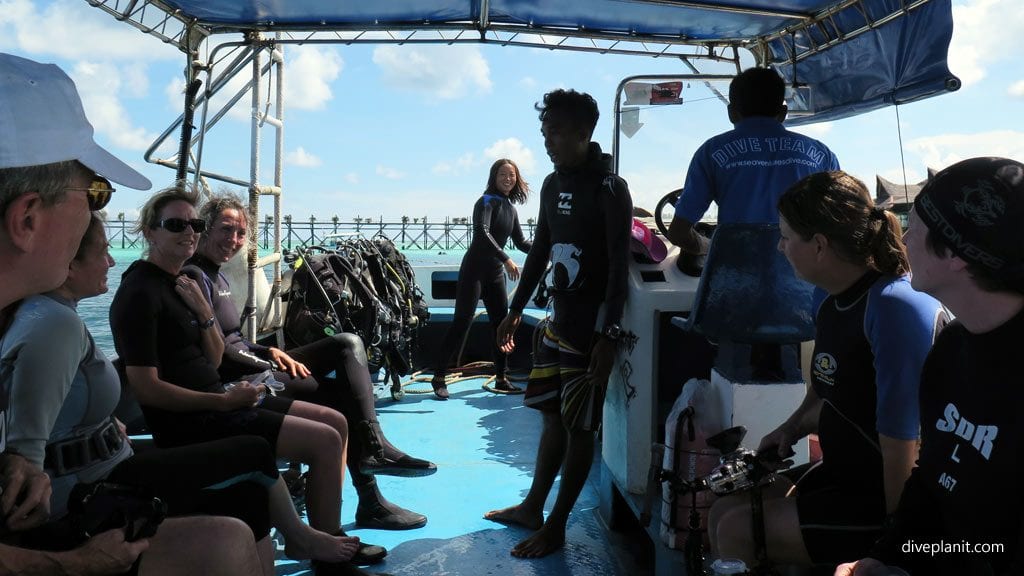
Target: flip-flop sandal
point(506, 387)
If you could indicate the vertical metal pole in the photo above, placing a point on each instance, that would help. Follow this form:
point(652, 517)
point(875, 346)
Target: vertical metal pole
point(254, 183)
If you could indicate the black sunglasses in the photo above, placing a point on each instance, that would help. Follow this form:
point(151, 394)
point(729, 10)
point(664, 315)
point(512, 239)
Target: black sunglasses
point(177, 225)
point(98, 192)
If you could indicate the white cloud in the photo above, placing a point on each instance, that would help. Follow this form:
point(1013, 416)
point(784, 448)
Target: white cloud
point(943, 150)
point(528, 82)
point(351, 178)
point(389, 172)
point(311, 69)
point(515, 150)
point(64, 29)
point(99, 85)
point(299, 157)
point(978, 43)
point(1016, 89)
point(818, 130)
point(458, 167)
point(445, 72)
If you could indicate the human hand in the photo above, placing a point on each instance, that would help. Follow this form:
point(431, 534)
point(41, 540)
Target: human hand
point(241, 395)
point(190, 293)
point(511, 269)
point(602, 356)
point(866, 567)
point(25, 498)
point(777, 443)
point(288, 364)
point(106, 553)
point(506, 330)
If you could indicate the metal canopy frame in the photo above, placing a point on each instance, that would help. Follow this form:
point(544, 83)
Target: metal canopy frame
point(795, 43)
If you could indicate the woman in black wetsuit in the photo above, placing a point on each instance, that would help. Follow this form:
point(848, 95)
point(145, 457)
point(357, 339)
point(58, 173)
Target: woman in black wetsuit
point(482, 274)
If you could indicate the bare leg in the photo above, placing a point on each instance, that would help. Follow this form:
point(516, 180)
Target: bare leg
point(579, 456)
point(183, 546)
point(265, 548)
point(303, 541)
point(550, 454)
point(784, 541)
point(725, 505)
point(317, 436)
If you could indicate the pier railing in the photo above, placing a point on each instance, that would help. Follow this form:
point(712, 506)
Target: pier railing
point(407, 234)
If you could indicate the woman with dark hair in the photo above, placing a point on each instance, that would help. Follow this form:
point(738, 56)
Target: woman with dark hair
point(482, 274)
point(873, 332)
point(167, 336)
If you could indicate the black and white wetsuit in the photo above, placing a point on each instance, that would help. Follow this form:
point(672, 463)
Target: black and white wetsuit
point(482, 275)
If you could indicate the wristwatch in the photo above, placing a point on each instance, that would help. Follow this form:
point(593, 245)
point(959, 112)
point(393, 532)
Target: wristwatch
point(612, 332)
point(207, 325)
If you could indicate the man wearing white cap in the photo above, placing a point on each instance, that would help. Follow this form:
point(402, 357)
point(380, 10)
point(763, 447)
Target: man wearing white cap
point(52, 174)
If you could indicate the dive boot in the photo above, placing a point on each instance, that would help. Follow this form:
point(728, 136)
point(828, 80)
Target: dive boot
point(374, 511)
point(376, 461)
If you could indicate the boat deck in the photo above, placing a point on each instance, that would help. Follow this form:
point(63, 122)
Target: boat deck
point(484, 445)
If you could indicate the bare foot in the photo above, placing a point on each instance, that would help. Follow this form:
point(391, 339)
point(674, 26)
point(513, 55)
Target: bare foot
point(317, 545)
point(518, 516)
point(541, 543)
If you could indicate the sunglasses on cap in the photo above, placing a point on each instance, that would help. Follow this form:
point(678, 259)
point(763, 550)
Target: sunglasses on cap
point(98, 192)
point(177, 225)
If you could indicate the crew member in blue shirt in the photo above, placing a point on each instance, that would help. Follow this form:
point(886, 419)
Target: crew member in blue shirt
point(745, 170)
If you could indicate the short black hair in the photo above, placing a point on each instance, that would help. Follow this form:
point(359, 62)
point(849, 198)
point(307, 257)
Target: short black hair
point(579, 108)
point(757, 92)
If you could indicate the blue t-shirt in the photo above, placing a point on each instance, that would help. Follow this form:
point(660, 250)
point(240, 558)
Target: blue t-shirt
point(746, 170)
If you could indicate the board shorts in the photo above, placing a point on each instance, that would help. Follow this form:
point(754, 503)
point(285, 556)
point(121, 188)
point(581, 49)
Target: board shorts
point(559, 381)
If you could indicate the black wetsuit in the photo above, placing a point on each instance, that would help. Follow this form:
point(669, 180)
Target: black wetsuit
point(583, 228)
point(152, 327)
point(966, 489)
point(348, 391)
point(482, 275)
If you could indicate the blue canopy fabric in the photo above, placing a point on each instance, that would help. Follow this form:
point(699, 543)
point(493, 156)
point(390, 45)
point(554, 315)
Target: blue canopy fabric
point(844, 57)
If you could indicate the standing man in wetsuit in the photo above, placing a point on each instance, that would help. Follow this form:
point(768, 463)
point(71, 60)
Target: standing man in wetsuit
point(483, 269)
point(962, 507)
point(51, 176)
point(746, 169)
point(583, 229)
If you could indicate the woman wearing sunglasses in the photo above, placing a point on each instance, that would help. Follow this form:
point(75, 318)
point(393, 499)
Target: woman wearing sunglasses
point(63, 391)
point(167, 336)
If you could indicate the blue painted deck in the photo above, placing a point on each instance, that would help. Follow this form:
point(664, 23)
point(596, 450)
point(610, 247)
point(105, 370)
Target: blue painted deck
point(484, 445)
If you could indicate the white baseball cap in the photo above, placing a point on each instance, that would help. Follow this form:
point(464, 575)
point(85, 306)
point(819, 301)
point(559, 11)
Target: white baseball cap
point(42, 122)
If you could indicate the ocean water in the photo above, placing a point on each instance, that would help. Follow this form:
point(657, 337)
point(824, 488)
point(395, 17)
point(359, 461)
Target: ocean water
point(96, 311)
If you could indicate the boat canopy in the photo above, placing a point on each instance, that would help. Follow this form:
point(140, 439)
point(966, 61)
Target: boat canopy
point(842, 57)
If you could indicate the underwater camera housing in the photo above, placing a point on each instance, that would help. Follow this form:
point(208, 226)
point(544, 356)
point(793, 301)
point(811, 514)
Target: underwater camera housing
point(740, 468)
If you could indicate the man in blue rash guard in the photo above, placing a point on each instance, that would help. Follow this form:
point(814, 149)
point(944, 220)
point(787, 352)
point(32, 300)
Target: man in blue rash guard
point(745, 170)
point(583, 229)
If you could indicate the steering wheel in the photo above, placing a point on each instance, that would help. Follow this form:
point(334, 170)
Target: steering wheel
point(669, 201)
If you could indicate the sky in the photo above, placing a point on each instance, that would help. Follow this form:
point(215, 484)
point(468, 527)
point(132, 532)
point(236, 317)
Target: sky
point(391, 131)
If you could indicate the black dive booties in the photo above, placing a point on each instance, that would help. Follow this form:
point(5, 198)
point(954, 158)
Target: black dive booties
point(374, 511)
point(375, 461)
